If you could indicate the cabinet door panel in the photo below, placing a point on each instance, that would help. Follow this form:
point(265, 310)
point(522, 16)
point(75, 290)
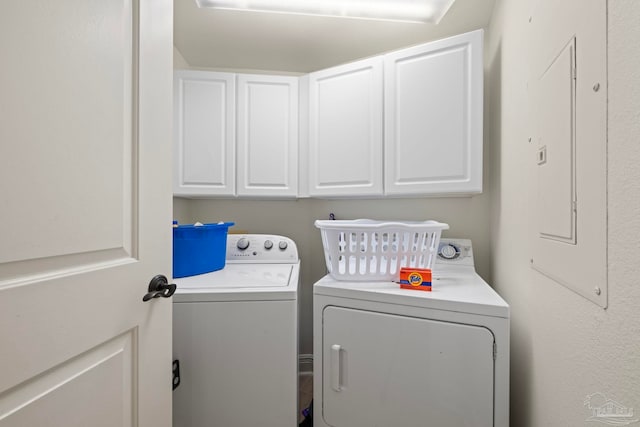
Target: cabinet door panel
point(204, 134)
point(267, 135)
point(345, 130)
point(433, 117)
point(386, 370)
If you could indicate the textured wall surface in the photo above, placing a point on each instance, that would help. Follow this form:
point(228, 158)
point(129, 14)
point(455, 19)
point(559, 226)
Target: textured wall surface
point(565, 348)
point(178, 59)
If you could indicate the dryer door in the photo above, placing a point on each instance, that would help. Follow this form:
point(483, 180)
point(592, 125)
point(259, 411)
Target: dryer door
point(388, 370)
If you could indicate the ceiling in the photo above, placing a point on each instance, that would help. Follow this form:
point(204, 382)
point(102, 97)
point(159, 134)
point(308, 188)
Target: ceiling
point(238, 40)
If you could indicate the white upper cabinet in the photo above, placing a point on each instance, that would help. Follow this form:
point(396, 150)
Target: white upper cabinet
point(267, 135)
point(204, 133)
point(433, 117)
point(345, 130)
point(408, 123)
point(235, 140)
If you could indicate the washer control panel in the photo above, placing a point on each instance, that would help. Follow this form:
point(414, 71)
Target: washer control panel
point(261, 248)
point(455, 252)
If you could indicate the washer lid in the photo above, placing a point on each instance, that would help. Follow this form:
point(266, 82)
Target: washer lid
point(240, 282)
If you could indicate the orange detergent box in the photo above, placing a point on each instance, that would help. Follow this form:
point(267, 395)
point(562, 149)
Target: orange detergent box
point(415, 278)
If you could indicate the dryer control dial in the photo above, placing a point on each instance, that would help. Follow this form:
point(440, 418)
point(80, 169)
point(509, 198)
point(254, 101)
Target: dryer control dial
point(448, 251)
point(268, 244)
point(243, 243)
point(283, 245)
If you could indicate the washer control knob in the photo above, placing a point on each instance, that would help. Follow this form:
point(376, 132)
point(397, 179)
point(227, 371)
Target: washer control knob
point(282, 245)
point(268, 244)
point(449, 251)
point(243, 243)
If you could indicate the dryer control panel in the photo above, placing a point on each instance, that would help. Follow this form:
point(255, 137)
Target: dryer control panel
point(261, 248)
point(455, 252)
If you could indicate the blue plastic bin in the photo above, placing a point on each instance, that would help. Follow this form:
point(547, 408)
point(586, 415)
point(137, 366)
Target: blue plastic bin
point(199, 249)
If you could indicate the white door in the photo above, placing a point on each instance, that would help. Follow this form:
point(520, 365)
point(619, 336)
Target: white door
point(433, 117)
point(345, 130)
point(267, 135)
point(386, 370)
point(85, 113)
point(204, 133)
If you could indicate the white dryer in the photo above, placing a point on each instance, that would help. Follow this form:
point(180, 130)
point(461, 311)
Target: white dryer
point(235, 336)
point(385, 356)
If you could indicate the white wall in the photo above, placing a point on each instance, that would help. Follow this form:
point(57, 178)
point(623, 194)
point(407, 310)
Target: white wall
point(564, 347)
point(178, 59)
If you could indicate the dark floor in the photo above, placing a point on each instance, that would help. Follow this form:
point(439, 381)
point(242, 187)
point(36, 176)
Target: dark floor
point(305, 391)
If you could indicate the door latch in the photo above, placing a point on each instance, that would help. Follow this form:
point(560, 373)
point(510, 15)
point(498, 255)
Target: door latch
point(159, 287)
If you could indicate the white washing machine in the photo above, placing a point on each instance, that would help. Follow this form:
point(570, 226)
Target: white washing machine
point(385, 356)
point(235, 335)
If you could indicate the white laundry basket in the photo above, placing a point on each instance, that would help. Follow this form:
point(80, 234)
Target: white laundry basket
point(368, 250)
